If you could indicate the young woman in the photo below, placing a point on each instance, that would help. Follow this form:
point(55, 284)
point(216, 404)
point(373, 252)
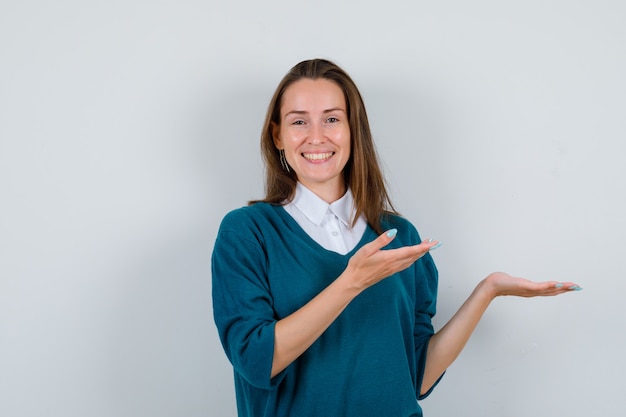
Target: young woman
point(322, 294)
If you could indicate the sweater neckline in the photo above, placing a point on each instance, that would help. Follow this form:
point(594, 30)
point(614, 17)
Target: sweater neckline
point(296, 228)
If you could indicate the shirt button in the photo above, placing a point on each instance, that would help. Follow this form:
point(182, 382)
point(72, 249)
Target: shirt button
point(335, 233)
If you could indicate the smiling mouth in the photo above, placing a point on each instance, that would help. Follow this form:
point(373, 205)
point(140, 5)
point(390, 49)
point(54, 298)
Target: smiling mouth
point(318, 156)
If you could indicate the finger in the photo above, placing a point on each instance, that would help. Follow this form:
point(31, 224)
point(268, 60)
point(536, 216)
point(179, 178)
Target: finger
point(431, 244)
point(380, 242)
point(551, 288)
point(409, 253)
point(568, 286)
point(557, 285)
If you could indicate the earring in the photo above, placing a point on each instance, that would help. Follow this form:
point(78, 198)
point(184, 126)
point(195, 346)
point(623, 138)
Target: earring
point(283, 160)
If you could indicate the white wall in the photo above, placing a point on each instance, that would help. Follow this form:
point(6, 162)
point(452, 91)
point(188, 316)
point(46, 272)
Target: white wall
point(129, 128)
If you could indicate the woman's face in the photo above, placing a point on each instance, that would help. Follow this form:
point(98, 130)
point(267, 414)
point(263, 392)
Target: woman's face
point(315, 134)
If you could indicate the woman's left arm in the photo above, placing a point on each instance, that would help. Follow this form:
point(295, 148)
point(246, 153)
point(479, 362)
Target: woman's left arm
point(446, 345)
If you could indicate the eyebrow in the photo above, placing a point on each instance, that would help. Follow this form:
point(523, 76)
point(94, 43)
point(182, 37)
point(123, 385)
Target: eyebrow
point(306, 112)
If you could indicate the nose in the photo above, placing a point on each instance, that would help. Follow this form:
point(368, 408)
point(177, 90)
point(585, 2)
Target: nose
point(316, 134)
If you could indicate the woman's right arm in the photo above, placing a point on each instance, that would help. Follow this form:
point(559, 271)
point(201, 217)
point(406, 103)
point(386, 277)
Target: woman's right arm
point(294, 334)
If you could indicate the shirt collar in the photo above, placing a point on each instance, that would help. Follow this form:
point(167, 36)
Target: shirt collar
point(315, 209)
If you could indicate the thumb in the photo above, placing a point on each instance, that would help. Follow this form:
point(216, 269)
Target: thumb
point(380, 242)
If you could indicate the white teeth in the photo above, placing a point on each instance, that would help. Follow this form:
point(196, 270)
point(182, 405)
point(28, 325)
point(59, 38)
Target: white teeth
point(317, 156)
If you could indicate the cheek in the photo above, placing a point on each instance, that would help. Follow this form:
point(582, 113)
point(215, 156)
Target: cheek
point(293, 136)
point(347, 141)
point(291, 143)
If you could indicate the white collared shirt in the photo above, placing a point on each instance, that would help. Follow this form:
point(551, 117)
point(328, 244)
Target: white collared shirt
point(330, 225)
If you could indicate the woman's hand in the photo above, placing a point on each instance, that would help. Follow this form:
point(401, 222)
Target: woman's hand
point(371, 263)
point(447, 343)
point(500, 283)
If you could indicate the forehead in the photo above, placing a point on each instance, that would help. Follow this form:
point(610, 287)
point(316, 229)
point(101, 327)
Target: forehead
point(311, 95)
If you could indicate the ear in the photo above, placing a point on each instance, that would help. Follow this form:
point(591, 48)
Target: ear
point(276, 135)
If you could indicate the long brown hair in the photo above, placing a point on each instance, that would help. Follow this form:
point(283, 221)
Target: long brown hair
point(362, 172)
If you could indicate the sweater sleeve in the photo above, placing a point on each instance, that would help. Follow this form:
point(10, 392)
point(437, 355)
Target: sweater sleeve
point(426, 282)
point(242, 303)
point(425, 308)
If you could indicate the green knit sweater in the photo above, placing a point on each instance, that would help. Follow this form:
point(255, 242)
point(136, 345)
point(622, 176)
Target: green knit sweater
point(368, 363)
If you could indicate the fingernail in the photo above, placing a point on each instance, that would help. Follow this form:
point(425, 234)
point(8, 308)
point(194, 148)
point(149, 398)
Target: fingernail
point(392, 232)
point(430, 240)
point(435, 246)
point(558, 285)
point(575, 288)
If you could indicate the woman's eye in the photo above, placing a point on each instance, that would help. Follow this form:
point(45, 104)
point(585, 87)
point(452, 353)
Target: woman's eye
point(298, 122)
point(332, 120)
